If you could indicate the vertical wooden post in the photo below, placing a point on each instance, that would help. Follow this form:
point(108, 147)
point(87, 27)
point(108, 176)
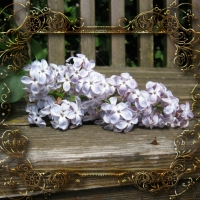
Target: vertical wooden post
point(170, 48)
point(117, 41)
point(56, 42)
point(146, 40)
point(20, 11)
point(87, 12)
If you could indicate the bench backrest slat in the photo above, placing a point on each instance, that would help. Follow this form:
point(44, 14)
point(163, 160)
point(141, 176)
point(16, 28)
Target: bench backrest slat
point(56, 49)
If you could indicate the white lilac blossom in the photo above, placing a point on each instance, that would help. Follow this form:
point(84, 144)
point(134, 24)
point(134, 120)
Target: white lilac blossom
point(116, 115)
point(72, 93)
point(35, 116)
point(122, 83)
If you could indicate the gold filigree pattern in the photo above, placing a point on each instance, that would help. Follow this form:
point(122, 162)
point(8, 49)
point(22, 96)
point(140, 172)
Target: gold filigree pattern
point(5, 107)
point(15, 54)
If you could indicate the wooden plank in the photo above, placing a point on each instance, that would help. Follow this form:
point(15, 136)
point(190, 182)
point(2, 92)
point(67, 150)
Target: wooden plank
point(20, 11)
point(90, 147)
point(56, 42)
point(117, 41)
point(87, 9)
point(119, 193)
point(146, 59)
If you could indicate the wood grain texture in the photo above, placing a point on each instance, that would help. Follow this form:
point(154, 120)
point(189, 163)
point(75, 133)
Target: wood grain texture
point(146, 59)
point(87, 12)
point(20, 11)
point(56, 42)
point(117, 40)
point(92, 148)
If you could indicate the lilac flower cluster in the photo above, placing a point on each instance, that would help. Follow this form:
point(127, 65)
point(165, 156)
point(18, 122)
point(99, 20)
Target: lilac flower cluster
point(71, 93)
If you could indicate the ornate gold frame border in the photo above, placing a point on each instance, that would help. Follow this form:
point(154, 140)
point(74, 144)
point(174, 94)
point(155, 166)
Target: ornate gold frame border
point(20, 170)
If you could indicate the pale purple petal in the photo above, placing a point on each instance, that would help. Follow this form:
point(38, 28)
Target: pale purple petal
point(40, 103)
point(41, 78)
point(56, 110)
point(78, 101)
point(113, 100)
point(77, 120)
point(168, 110)
point(134, 120)
point(44, 64)
point(92, 64)
point(153, 98)
point(106, 118)
point(155, 119)
point(125, 75)
point(121, 125)
point(30, 119)
point(35, 88)
point(121, 105)
point(143, 102)
point(79, 86)
point(80, 55)
point(83, 73)
point(74, 78)
point(45, 111)
point(63, 123)
point(40, 122)
point(71, 115)
point(96, 89)
point(77, 61)
point(26, 80)
point(126, 114)
point(122, 89)
point(86, 104)
point(69, 59)
point(66, 86)
point(131, 83)
point(54, 124)
point(149, 84)
point(114, 118)
point(34, 72)
point(129, 127)
point(145, 94)
point(86, 87)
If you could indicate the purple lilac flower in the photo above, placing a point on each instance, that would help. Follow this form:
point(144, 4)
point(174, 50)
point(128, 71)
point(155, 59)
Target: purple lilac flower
point(155, 107)
point(118, 116)
point(122, 83)
point(35, 116)
point(91, 85)
point(75, 113)
point(139, 98)
point(59, 114)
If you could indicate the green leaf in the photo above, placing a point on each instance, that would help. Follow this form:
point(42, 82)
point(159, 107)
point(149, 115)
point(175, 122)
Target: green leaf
point(37, 50)
point(42, 54)
point(15, 85)
point(97, 41)
point(158, 54)
point(162, 57)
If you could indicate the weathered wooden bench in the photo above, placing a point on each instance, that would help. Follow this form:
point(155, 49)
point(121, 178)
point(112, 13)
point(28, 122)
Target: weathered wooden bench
point(91, 163)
